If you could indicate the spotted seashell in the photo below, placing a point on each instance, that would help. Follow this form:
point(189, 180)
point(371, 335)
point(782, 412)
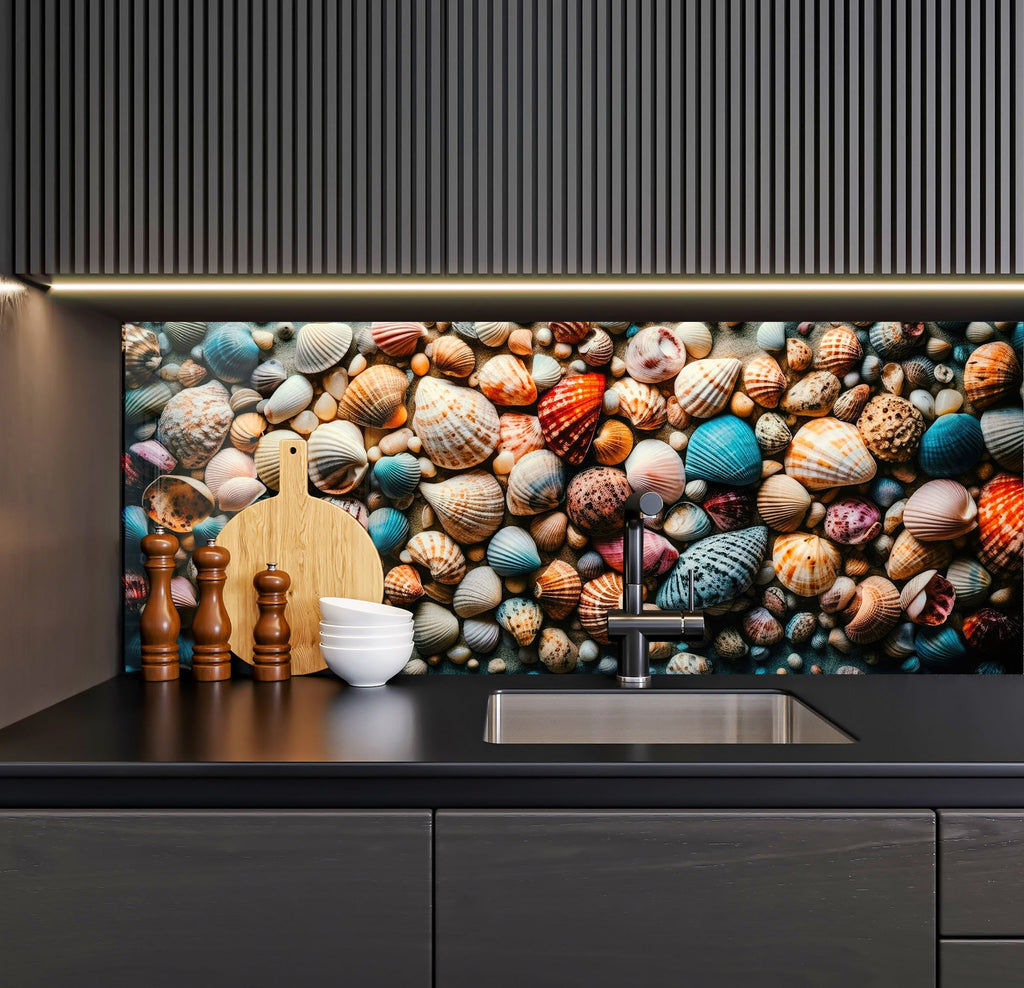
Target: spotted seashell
point(194, 424)
point(919, 372)
point(512, 552)
point(596, 348)
point(729, 645)
point(951, 445)
point(731, 509)
point(337, 458)
point(504, 379)
point(991, 374)
point(659, 554)
point(595, 500)
point(545, 371)
point(892, 340)
point(723, 451)
point(438, 553)
point(397, 339)
point(939, 648)
point(479, 591)
point(185, 335)
point(146, 402)
point(481, 634)
point(782, 502)
point(227, 465)
point(536, 483)
point(292, 397)
point(970, 580)
point(238, 493)
point(703, 388)
point(521, 618)
point(470, 506)
point(493, 334)
point(687, 522)
point(597, 598)
point(177, 503)
point(939, 510)
point(655, 354)
point(642, 404)
point(723, 567)
point(828, 453)
point(434, 628)
point(402, 586)
point(570, 332)
point(568, 415)
point(141, 352)
point(839, 351)
point(268, 456)
point(653, 465)
point(764, 380)
point(613, 442)
point(548, 530)
point(771, 336)
point(908, 556)
point(990, 631)
point(557, 588)
point(696, 337)
point(268, 377)
point(451, 356)
point(801, 627)
point(397, 476)
point(852, 521)
point(850, 404)
point(1001, 524)
point(813, 395)
point(1003, 432)
point(457, 426)
point(761, 627)
point(373, 396)
point(873, 612)
point(798, 354)
point(242, 399)
point(772, 434)
point(928, 598)
point(519, 434)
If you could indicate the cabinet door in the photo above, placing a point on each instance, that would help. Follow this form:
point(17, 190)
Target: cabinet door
point(700, 899)
point(981, 963)
point(205, 898)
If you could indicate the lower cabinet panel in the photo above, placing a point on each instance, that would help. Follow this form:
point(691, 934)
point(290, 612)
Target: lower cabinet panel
point(601, 899)
point(981, 963)
point(180, 899)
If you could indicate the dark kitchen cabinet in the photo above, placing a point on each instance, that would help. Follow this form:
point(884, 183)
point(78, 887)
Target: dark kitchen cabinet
point(981, 963)
point(171, 899)
point(699, 898)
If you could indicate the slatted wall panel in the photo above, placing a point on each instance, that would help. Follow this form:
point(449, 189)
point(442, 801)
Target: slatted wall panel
point(507, 136)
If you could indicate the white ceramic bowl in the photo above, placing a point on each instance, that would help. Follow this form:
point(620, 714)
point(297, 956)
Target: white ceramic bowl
point(366, 667)
point(343, 610)
point(335, 628)
point(372, 642)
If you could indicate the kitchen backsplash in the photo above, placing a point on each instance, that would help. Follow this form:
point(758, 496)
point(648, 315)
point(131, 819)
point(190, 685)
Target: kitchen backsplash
point(848, 497)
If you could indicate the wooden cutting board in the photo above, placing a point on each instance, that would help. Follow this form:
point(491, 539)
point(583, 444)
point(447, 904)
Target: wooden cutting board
point(325, 551)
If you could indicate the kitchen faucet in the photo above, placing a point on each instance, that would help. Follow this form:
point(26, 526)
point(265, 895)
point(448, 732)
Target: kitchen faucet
point(636, 627)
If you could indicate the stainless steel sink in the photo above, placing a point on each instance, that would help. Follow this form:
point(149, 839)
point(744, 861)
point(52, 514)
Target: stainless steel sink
point(655, 717)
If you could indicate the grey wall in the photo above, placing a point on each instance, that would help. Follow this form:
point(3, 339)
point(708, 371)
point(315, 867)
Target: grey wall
point(621, 136)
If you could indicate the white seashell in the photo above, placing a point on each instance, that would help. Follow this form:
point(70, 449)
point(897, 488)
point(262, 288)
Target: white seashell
point(703, 388)
point(653, 465)
point(655, 354)
point(288, 399)
point(320, 345)
point(696, 337)
point(940, 510)
point(479, 591)
point(267, 456)
point(228, 464)
point(337, 457)
point(545, 371)
point(239, 492)
point(494, 334)
point(457, 426)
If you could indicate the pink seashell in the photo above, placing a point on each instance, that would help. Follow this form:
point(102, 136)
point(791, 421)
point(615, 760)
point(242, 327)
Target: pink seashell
point(398, 339)
point(852, 521)
point(928, 598)
point(653, 465)
point(939, 510)
point(520, 434)
point(761, 627)
point(655, 354)
point(659, 554)
point(731, 510)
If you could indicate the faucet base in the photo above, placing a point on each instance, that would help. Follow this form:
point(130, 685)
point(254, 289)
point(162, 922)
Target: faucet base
point(635, 682)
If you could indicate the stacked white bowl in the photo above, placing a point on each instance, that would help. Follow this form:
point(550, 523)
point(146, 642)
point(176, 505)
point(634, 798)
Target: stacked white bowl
point(362, 642)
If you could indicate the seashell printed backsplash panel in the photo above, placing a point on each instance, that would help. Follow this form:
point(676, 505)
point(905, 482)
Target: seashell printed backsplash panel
point(847, 496)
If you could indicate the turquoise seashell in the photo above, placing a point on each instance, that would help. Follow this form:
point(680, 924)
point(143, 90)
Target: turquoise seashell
point(1003, 431)
point(759, 653)
point(913, 664)
point(133, 653)
point(951, 445)
point(398, 476)
point(209, 528)
point(136, 527)
point(231, 353)
point(885, 491)
point(687, 522)
point(146, 402)
point(723, 450)
point(939, 648)
point(771, 336)
point(724, 566)
point(961, 353)
point(512, 552)
point(185, 646)
point(1017, 340)
point(389, 529)
point(989, 669)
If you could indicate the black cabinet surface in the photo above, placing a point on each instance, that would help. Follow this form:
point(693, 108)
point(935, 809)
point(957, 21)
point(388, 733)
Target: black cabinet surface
point(981, 963)
point(602, 898)
point(251, 898)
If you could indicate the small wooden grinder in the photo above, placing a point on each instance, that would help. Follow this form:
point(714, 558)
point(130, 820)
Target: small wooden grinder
point(159, 624)
point(271, 650)
point(211, 627)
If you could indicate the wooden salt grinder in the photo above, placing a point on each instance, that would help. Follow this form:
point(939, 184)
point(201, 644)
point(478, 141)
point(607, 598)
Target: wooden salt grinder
point(211, 626)
point(271, 650)
point(160, 624)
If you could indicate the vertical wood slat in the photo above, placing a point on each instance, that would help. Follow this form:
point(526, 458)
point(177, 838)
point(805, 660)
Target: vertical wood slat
point(515, 136)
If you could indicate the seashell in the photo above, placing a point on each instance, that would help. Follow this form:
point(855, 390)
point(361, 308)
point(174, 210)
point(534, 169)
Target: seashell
point(143, 463)
point(659, 554)
point(402, 586)
point(146, 402)
point(352, 507)
point(891, 340)
point(452, 357)
point(873, 612)
point(520, 342)
point(141, 351)
point(493, 334)
point(761, 627)
point(194, 423)
point(655, 354)
point(512, 552)
point(798, 354)
point(226, 465)
point(923, 402)
point(177, 503)
point(764, 380)
point(774, 598)
point(1001, 524)
point(828, 453)
point(238, 493)
point(440, 554)
point(520, 434)
point(899, 643)
point(703, 388)
point(919, 372)
point(373, 396)
point(642, 404)
point(321, 345)
point(909, 557)
point(135, 590)
point(1003, 432)
point(687, 522)
point(536, 483)
point(782, 502)
point(470, 506)
point(838, 596)
point(290, 398)
point(596, 348)
point(991, 374)
point(613, 442)
point(813, 395)
point(337, 458)
point(398, 475)
point(230, 352)
point(434, 628)
point(990, 631)
point(190, 374)
point(557, 588)
point(800, 627)
point(892, 378)
point(772, 434)
point(135, 527)
point(185, 335)
point(939, 648)
point(243, 399)
point(970, 580)
point(458, 427)
point(595, 500)
point(871, 369)
point(479, 591)
point(590, 565)
point(806, 564)
point(268, 377)
point(481, 634)
point(521, 618)
point(504, 379)
point(850, 404)
point(839, 351)
point(548, 530)
point(597, 598)
point(268, 456)
point(723, 567)
point(951, 445)
point(731, 509)
point(938, 348)
point(389, 528)
point(724, 451)
point(939, 510)
point(947, 401)
point(979, 332)
point(545, 371)
point(569, 332)
point(696, 337)
point(653, 465)
point(885, 492)
point(183, 594)
point(852, 521)
point(771, 336)
point(928, 598)
point(556, 651)
point(568, 415)
point(729, 645)
point(397, 339)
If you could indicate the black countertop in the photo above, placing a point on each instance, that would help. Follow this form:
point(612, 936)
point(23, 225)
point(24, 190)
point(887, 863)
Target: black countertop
point(922, 741)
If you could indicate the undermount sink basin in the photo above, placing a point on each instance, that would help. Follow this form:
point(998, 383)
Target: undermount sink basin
point(655, 717)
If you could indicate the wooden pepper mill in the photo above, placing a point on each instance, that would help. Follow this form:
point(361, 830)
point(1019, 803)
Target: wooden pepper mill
point(211, 626)
point(160, 624)
point(271, 650)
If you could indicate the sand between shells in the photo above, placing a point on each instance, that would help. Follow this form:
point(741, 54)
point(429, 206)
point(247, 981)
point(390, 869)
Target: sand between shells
point(847, 496)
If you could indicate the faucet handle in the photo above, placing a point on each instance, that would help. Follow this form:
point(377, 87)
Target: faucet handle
point(689, 584)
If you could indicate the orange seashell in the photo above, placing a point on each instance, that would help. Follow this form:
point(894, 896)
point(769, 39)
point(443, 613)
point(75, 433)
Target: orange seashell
point(402, 585)
point(397, 339)
point(642, 404)
point(520, 434)
point(873, 612)
point(703, 388)
point(505, 380)
point(597, 598)
point(570, 332)
point(568, 415)
point(828, 453)
point(246, 430)
point(452, 356)
point(558, 587)
point(549, 530)
point(798, 354)
point(850, 404)
point(373, 397)
point(438, 553)
point(839, 351)
point(908, 556)
point(1001, 524)
point(764, 380)
point(991, 374)
point(613, 442)
point(806, 564)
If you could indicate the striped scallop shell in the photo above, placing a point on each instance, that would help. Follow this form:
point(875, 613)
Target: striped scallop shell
point(146, 402)
point(939, 648)
point(494, 334)
point(397, 476)
point(703, 388)
point(839, 350)
point(519, 434)
point(402, 586)
point(190, 374)
point(536, 483)
point(469, 506)
point(389, 528)
point(892, 340)
point(874, 611)
point(268, 377)
point(434, 628)
point(230, 352)
point(990, 631)
point(655, 354)
point(268, 456)
point(951, 445)
point(806, 564)
point(570, 332)
point(991, 374)
point(642, 404)
point(548, 530)
point(481, 634)
point(320, 345)
point(731, 509)
point(352, 506)
point(183, 594)
point(771, 336)
point(292, 397)
point(1003, 431)
point(238, 493)
point(479, 591)
point(557, 588)
point(185, 335)
point(850, 404)
point(723, 567)
point(764, 380)
point(828, 453)
point(512, 552)
point(226, 465)
point(453, 357)
point(939, 510)
point(613, 442)
point(545, 371)
point(337, 457)
point(243, 399)
point(597, 598)
point(928, 598)
point(908, 556)
point(568, 415)
point(397, 339)
point(653, 465)
point(438, 553)
point(141, 354)
point(505, 380)
point(521, 618)
point(970, 580)
point(696, 337)
point(723, 451)
point(457, 426)
point(782, 502)
point(1001, 524)
point(373, 396)
point(761, 627)
point(596, 348)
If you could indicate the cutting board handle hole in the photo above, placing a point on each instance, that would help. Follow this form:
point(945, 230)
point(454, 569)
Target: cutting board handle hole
point(293, 450)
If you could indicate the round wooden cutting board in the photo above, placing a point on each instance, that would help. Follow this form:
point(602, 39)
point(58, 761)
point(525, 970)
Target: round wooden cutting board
point(322, 547)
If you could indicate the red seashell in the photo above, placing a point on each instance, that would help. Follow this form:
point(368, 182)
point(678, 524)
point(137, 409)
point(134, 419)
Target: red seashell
point(135, 591)
point(730, 510)
point(993, 632)
point(570, 332)
point(659, 554)
point(1001, 524)
point(568, 415)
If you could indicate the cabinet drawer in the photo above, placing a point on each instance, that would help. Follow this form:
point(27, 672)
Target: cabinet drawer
point(981, 963)
point(981, 874)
